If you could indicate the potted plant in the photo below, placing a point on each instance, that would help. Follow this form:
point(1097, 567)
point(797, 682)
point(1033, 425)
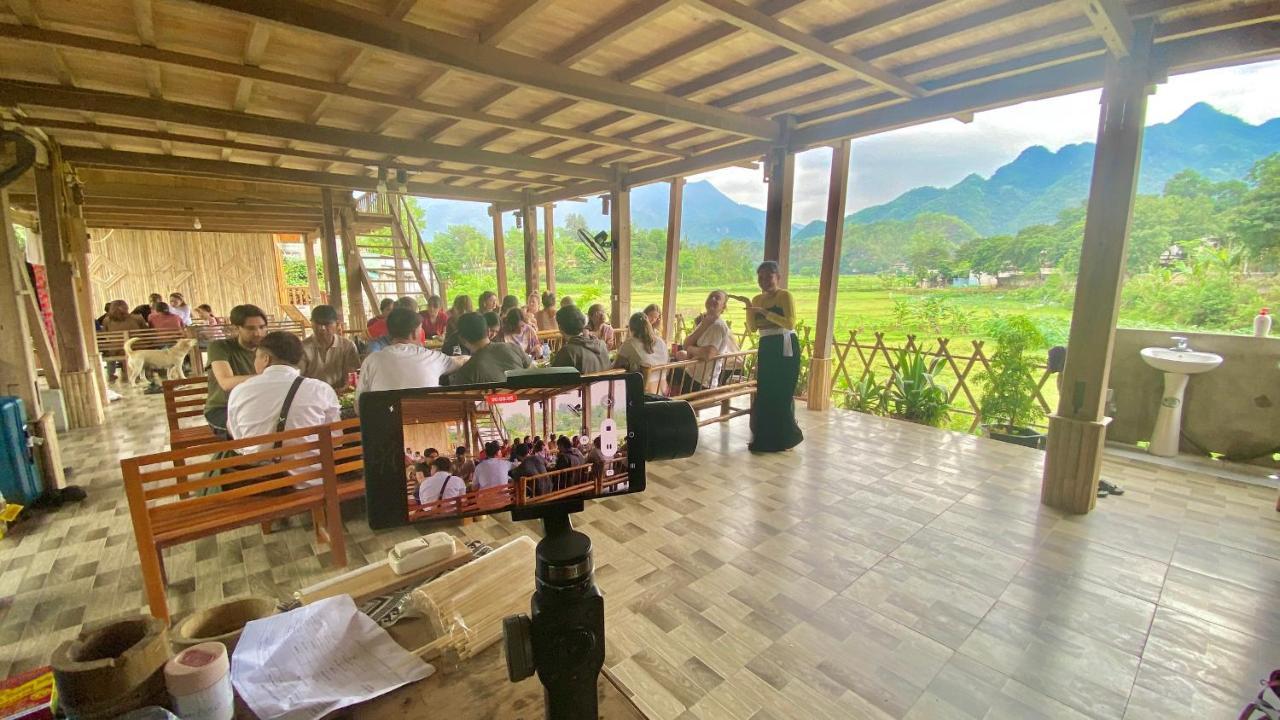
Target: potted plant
point(1008, 388)
point(912, 393)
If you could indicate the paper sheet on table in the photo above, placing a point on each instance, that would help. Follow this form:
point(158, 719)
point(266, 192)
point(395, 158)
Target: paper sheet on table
point(311, 661)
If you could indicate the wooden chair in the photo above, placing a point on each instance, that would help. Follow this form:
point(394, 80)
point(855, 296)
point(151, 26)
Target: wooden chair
point(184, 399)
point(255, 487)
point(737, 378)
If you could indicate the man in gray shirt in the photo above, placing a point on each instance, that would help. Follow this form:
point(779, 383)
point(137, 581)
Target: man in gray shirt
point(489, 361)
point(581, 350)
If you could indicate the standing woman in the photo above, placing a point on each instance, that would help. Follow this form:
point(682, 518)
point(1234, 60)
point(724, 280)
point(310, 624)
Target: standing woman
point(773, 414)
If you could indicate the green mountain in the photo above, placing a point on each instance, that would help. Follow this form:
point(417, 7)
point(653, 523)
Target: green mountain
point(1040, 183)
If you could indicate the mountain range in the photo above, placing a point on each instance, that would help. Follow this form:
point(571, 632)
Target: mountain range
point(1031, 189)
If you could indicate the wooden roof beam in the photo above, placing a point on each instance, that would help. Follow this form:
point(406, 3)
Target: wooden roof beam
point(39, 94)
point(449, 51)
point(176, 165)
point(801, 43)
point(513, 18)
point(288, 151)
point(1113, 23)
point(237, 70)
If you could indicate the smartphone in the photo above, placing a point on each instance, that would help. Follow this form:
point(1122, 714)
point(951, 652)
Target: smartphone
point(443, 453)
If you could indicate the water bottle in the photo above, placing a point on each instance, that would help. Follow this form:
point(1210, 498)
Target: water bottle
point(457, 350)
point(546, 351)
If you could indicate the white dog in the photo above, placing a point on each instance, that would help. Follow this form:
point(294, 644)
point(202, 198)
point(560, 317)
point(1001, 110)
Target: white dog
point(169, 359)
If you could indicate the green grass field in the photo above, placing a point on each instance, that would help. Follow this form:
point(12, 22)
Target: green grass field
point(862, 305)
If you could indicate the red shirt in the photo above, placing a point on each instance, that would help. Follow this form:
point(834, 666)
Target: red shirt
point(165, 321)
point(377, 327)
point(436, 327)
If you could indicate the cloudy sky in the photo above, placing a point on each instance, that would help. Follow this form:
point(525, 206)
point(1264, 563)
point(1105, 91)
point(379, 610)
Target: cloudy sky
point(944, 152)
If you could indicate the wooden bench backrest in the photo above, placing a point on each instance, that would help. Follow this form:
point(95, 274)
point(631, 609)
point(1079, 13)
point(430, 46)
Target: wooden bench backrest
point(575, 482)
point(738, 368)
point(165, 477)
point(348, 452)
point(111, 342)
point(220, 332)
point(184, 398)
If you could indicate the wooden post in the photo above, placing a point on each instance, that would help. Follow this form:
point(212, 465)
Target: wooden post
point(1078, 430)
point(530, 215)
point(781, 177)
point(17, 367)
point(549, 244)
point(620, 255)
point(76, 242)
point(499, 249)
point(829, 285)
point(329, 251)
point(60, 273)
point(671, 271)
point(313, 278)
point(355, 279)
point(397, 260)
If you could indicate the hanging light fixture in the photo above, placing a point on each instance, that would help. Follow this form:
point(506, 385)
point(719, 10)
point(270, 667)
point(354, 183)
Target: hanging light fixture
point(519, 219)
point(196, 224)
point(382, 180)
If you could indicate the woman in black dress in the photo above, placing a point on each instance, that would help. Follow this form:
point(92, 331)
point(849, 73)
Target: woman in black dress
point(772, 313)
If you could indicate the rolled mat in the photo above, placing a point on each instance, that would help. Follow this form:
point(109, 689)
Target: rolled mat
point(112, 667)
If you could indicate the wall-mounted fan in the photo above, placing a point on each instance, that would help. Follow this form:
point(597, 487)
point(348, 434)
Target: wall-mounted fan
point(17, 155)
point(598, 243)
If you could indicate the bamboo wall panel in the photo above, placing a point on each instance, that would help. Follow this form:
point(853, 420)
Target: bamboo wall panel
point(221, 269)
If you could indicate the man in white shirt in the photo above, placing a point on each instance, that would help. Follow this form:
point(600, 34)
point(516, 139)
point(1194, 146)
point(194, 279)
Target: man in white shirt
point(493, 471)
point(256, 405)
point(404, 363)
point(442, 484)
point(710, 338)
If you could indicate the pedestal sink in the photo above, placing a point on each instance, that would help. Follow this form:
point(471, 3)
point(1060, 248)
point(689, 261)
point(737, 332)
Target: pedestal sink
point(1178, 364)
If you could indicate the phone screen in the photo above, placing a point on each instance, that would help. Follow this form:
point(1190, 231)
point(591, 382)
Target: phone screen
point(441, 453)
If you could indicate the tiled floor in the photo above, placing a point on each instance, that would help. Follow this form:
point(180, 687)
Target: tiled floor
point(881, 570)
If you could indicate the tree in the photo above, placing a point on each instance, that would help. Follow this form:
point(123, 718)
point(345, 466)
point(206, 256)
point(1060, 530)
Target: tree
point(1256, 221)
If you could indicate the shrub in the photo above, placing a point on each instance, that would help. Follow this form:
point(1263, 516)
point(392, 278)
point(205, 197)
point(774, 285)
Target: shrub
point(1009, 387)
point(912, 393)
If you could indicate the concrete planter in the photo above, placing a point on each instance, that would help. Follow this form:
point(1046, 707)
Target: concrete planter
point(1023, 436)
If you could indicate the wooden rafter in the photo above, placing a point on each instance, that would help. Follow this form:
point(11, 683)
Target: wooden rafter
point(115, 104)
point(513, 18)
point(450, 51)
point(242, 71)
point(1112, 22)
point(801, 43)
point(176, 165)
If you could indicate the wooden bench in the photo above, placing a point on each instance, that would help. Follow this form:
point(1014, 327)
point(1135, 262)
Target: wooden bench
point(551, 486)
point(256, 487)
point(184, 399)
point(111, 344)
point(736, 378)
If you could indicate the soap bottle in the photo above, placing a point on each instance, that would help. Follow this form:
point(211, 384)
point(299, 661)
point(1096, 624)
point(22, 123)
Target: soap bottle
point(1262, 323)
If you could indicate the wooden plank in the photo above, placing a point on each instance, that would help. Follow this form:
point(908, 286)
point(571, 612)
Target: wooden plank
point(628, 18)
point(762, 24)
point(499, 250)
point(671, 267)
point(513, 17)
point(45, 95)
point(1112, 22)
point(819, 395)
point(17, 367)
point(549, 245)
point(529, 214)
point(329, 251)
point(313, 278)
point(438, 48)
point(176, 165)
point(620, 253)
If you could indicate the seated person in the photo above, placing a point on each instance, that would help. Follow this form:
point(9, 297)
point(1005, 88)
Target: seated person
point(546, 317)
point(440, 485)
point(710, 338)
point(493, 471)
point(567, 457)
point(580, 350)
point(462, 465)
point(383, 340)
point(517, 332)
point(377, 326)
point(595, 458)
point(598, 324)
point(163, 317)
point(327, 355)
point(434, 318)
point(278, 398)
point(231, 361)
point(118, 318)
point(404, 363)
point(642, 350)
point(489, 361)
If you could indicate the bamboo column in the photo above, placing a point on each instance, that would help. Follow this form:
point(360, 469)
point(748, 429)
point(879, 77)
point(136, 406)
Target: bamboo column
point(499, 249)
point(671, 270)
point(76, 242)
point(829, 285)
point(329, 251)
point(549, 244)
point(780, 175)
point(81, 397)
point(530, 215)
point(313, 278)
point(620, 255)
point(1078, 430)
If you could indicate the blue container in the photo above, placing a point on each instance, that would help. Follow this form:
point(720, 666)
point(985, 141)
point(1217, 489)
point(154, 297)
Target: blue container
point(19, 482)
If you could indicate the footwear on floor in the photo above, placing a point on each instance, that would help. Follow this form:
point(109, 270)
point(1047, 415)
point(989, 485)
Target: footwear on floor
point(1111, 488)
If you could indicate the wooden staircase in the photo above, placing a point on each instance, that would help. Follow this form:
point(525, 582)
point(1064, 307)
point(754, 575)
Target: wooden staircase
point(397, 265)
point(488, 426)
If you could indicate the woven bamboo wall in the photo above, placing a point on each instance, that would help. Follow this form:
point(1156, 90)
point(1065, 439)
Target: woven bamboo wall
point(221, 269)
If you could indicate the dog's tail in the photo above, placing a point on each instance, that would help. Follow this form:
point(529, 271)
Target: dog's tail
point(128, 345)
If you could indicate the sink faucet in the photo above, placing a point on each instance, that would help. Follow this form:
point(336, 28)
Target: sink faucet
point(1180, 343)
